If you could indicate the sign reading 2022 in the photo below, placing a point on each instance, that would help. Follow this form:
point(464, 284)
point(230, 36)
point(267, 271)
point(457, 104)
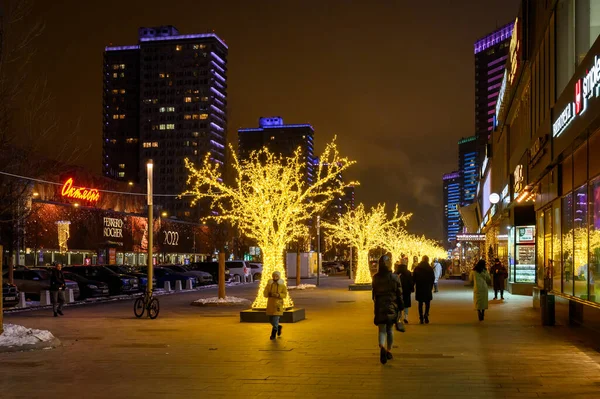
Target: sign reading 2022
point(585, 89)
point(171, 238)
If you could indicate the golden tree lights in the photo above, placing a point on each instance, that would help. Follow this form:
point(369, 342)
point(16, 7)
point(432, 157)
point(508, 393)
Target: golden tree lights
point(270, 200)
point(364, 231)
point(63, 235)
point(397, 241)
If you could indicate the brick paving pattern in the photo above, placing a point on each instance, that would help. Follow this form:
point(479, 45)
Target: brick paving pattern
point(206, 352)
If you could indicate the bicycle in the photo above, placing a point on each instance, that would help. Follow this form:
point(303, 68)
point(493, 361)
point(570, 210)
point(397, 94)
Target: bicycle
point(146, 303)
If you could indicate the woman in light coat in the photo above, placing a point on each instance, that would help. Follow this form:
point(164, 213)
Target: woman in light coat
point(480, 278)
point(275, 292)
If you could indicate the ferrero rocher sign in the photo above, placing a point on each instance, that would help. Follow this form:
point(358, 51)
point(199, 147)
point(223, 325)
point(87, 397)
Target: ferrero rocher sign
point(113, 227)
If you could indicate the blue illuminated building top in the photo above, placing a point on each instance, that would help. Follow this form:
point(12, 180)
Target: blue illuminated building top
point(452, 199)
point(273, 122)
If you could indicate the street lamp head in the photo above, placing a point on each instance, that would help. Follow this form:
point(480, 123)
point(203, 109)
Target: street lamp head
point(458, 245)
point(164, 214)
point(494, 198)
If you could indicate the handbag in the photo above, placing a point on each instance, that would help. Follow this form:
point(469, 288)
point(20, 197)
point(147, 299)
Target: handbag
point(399, 324)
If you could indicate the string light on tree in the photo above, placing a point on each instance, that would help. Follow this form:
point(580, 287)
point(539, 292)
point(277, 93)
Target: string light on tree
point(364, 231)
point(63, 235)
point(270, 200)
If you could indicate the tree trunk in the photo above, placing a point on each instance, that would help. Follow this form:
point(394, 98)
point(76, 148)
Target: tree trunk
point(272, 261)
point(363, 272)
point(221, 275)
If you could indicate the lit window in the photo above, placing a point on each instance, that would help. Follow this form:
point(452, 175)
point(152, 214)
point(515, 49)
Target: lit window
point(162, 109)
point(203, 116)
point(115, 91)
point(122, 91)
point(161, 75)
point(115, 75)
point(155, 101)
point(178, 47)
point(147, 145)
point(122, 116)
point(272, 137)
point(121, 166)
point(163, 126)
point(121, 174)
point(155, 144)
point(170, 126)
point(195, 116)
point(115, 116)
point(122, 66)
point(170, 109)
point(115, 66)
point(204, 98)
point(113, 141)
point(131, 140)
point(188, 116)
point(195, 134)
point(122, 74)
point(188, 99)
point(195, 152)
point(199, 46)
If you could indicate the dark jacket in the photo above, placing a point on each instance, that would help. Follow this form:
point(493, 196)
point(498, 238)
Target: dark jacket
point(424, 278)
point(57, 280)
point(387, 294)
point(499, 274)
point(407, 284)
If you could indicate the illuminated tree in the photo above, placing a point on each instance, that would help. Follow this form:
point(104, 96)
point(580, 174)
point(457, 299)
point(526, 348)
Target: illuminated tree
point(365, 231)
point(270, 200)
point(395, 239)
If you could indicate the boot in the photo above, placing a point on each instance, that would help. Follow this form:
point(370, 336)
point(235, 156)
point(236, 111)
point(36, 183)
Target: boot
point(55, 314)
point(273, 333)
point(483, 315)
point(426, 319)
point(60, 312)
point(479, 315)
point(421, 320)
point(279, 328)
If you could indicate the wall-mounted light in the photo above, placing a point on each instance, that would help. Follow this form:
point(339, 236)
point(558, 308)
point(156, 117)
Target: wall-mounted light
point(494, 198)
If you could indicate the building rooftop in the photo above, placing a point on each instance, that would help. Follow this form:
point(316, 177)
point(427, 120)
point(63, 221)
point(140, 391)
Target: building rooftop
point(494, 38)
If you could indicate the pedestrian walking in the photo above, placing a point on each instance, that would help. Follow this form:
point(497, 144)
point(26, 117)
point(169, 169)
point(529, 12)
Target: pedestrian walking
point(437, 271)
point(275, 292)
point(415, 263)
point(408, 288)
point(499, 274)
point(480, 278)
point(57, 290)
point(424, 277)
point(387, 298)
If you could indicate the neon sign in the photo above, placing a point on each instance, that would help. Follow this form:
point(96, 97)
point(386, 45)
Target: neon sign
point(585, 89)
point(79, 193)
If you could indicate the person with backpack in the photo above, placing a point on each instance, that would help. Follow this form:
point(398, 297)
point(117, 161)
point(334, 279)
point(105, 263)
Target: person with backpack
point(406, 280)
point(480, 278)
point(387, 298)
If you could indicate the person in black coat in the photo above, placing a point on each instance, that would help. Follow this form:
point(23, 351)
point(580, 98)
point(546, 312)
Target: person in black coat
point(408, 288)
point(424, 277)
point(387, 297)
point(57, 289)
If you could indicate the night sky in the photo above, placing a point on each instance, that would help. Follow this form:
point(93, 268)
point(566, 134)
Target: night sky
point(394, 80)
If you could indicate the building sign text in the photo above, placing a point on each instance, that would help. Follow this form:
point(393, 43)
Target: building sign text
point(79, 193)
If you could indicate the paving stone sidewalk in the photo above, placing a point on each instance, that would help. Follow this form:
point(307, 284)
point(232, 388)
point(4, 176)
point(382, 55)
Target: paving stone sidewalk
point(206, 352)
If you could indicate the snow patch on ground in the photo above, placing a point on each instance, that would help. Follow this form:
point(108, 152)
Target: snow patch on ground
point(302, 287)
point(15, 335)
point(217, 300)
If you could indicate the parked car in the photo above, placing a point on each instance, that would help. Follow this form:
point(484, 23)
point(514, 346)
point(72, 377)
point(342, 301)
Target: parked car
point(10, 295)
point(136, 272)
point(257, 269)
point(88, 288)
point(239, 270)
point(202, 278)
point(332, 267)
point(118, 283)
point(212, 268)
point(164, 274)
point(33, 281)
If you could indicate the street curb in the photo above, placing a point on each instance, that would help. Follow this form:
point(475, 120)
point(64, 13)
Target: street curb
point(34, 347)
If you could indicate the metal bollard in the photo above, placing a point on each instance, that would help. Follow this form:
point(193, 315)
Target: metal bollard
point(189, 285)
point(178, 285)
point(69, 296)
point(167, 286)
point(22, 301)
point(45, 298)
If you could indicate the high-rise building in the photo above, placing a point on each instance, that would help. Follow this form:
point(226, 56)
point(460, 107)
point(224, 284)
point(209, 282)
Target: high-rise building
point(279, 138)
point(491, 53)
point(468, 168)
point(175, 87)
point(452, 194)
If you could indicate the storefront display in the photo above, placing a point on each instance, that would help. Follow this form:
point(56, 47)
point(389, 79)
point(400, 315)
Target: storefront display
point(525, 254)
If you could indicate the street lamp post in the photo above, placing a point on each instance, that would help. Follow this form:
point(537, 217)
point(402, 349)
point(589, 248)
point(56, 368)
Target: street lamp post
point(149, 167)
point(318, 250)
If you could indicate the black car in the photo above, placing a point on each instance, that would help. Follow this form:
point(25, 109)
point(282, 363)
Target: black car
point(88, 288)
point(117, 283)
point(210, 267)
point(136, 272)
point(164, 274)
point(10, 295)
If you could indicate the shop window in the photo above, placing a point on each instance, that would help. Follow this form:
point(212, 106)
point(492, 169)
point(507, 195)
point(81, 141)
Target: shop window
point(594, 238)
point(580, 166)
point(567, 174)
point(556, 247)
point(580, 243)
point(567, 243)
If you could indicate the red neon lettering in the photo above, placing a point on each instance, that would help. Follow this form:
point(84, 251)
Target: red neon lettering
point(578, 97)
point(79, 193)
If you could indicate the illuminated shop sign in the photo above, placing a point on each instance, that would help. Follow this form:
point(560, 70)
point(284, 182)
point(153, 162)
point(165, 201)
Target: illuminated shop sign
point(519, 179)
point(515, 50)
point(470, 237)
point(585, 89)
point(113, 227)
point(171, 238)
point(79, 193)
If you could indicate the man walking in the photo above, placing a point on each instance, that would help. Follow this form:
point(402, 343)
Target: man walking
point(424, 277)
point(499, 274)
point(437, 271)
point(57, 289)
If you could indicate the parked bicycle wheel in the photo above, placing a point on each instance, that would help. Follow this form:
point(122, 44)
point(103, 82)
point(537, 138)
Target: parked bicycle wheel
point(138, 307)
point(153, 308)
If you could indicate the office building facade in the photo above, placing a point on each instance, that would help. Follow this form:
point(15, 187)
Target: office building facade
point(469, 169)
point(181, 109)
point(452, 197)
